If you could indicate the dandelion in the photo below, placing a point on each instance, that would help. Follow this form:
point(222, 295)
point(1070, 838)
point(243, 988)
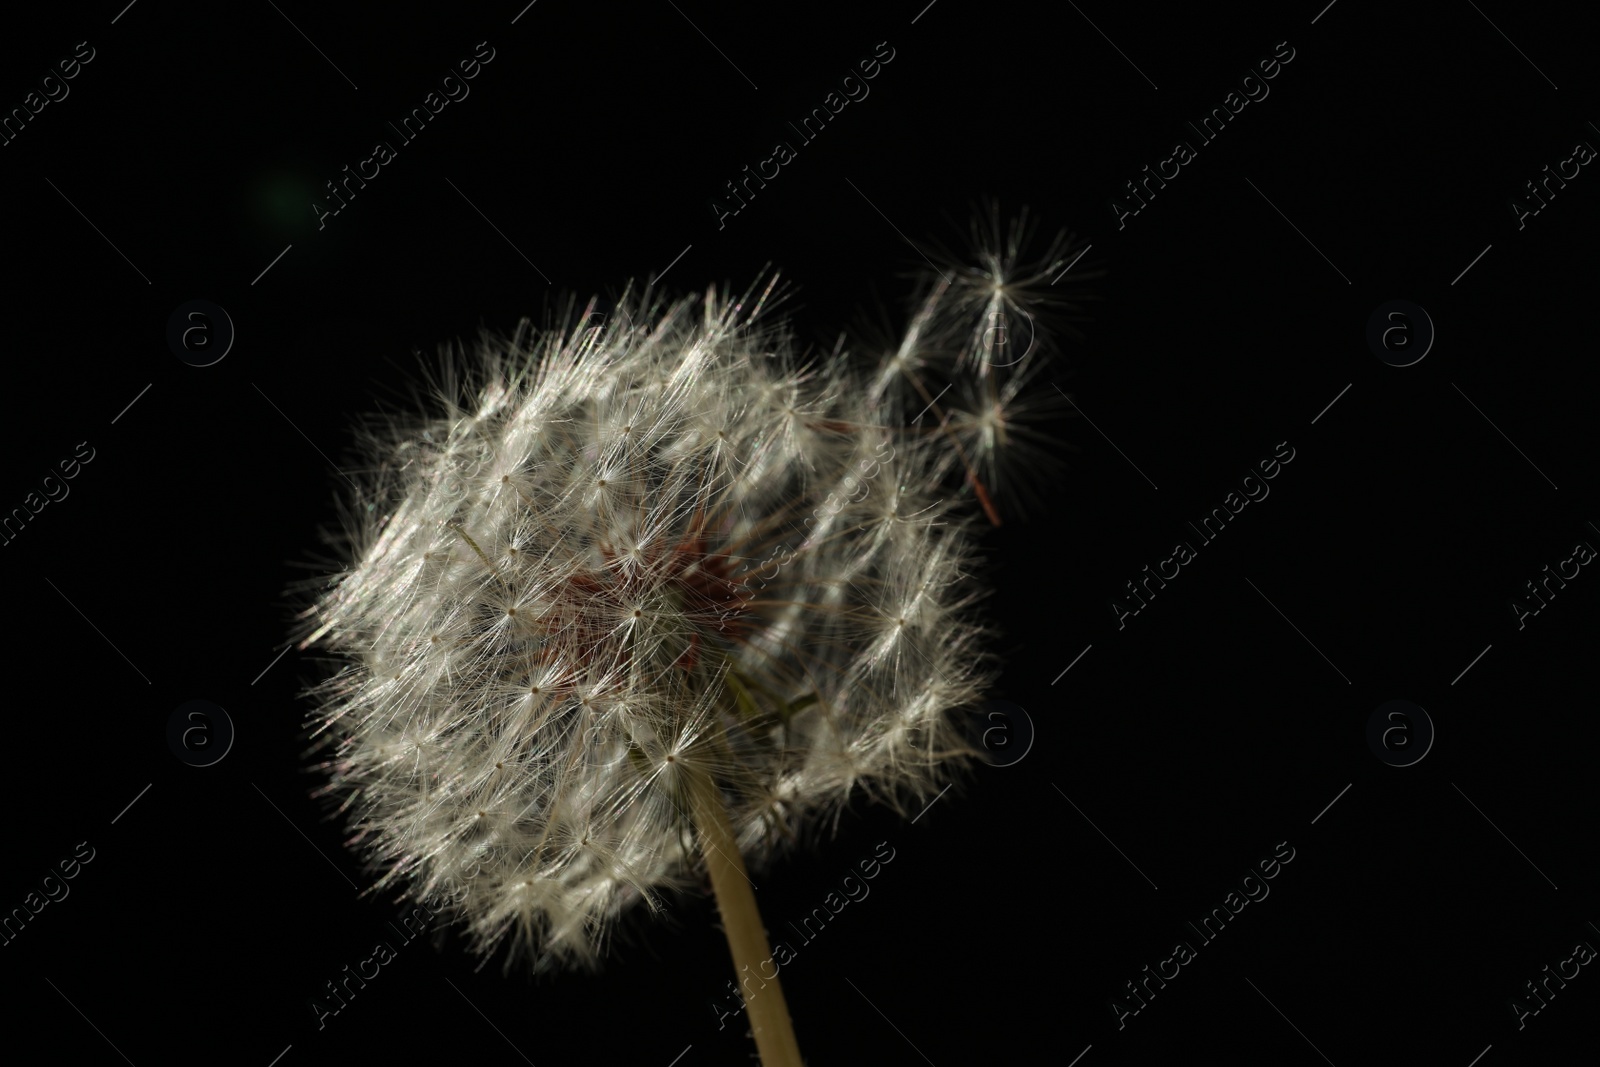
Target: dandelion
point(642, 601)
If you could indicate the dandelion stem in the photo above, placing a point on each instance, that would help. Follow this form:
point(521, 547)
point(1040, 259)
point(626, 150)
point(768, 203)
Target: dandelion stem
point(741, 920)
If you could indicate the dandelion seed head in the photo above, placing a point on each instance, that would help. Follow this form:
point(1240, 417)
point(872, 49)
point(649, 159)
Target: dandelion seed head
point(605, 560)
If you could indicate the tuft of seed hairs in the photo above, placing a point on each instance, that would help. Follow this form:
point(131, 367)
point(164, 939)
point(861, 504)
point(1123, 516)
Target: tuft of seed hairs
point(608, 556)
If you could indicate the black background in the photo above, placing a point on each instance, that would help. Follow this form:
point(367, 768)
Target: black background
point(1177, 751)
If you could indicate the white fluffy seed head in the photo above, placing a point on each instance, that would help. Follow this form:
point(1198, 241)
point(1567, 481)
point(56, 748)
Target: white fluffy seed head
point(620, 554)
